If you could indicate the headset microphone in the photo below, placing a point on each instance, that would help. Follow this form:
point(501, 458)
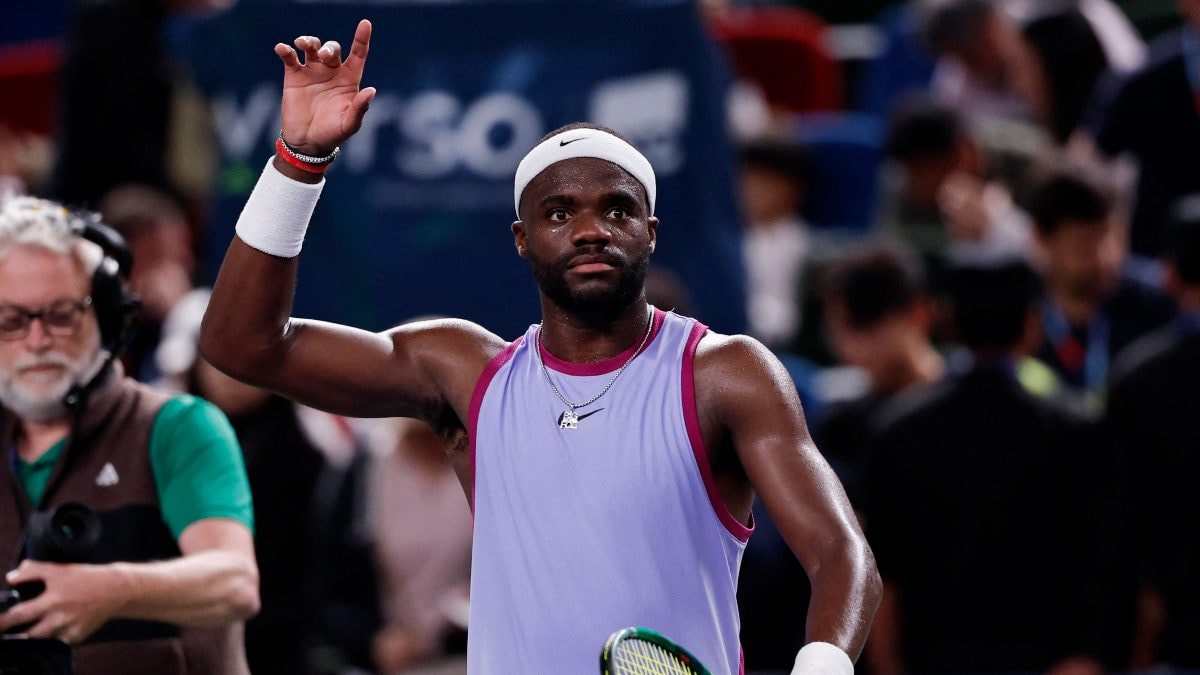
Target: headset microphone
point(115, 304)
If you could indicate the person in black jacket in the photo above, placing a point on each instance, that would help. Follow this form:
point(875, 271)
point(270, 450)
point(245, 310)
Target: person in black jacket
point(1154, 117)
point(978, 507)
point(1153, 417)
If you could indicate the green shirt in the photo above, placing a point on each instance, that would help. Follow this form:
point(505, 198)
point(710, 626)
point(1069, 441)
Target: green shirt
point(196, 460)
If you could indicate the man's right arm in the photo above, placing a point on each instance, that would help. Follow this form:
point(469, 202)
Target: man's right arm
point(248, 332)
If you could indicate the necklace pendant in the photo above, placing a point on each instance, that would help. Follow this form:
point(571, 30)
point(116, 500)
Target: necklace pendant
point(568, 420)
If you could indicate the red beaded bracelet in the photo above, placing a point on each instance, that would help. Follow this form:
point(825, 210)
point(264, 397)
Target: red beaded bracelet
point(282, 150)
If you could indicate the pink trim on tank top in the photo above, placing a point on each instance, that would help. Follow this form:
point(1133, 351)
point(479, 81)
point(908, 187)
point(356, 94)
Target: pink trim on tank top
point(599, 367)
point(691, 417)
point(481, 386)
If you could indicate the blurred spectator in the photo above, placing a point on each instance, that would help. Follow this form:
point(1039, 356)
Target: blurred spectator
point(285, 449)
point(983, 66)
point(1153, 416)
point(1154, 117)
point(1069, 61)
point(422, 526)
point(878, 318)
point(25, 159)
point(163, 584)
point(346, 610)
point(110, 100)
point(156, 230)
point(938, 200)
point(1091, 311)
point(775, 175)
point(978, 508)
point(1124, 49)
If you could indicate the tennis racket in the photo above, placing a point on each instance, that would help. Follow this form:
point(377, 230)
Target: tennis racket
point(641, 651)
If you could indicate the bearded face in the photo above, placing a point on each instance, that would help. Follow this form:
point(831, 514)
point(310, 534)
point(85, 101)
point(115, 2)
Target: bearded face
point(588, 235)
point(34, 385)
point(38, 366)
point(592, 297)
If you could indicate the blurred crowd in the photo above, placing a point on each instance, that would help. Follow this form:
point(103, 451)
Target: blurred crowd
point(972, 234)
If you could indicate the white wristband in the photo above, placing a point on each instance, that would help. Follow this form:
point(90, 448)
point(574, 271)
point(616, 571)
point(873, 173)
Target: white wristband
point(822, 658)
point(276, 215)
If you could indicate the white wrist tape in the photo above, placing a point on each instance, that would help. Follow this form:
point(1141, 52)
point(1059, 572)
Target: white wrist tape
point(822, 658)
point(276, 215)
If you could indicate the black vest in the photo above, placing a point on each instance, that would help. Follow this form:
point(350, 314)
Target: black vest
point(106, 466)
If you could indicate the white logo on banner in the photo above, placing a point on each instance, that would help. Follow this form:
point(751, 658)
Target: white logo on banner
point(440, 133)
point(651, 110)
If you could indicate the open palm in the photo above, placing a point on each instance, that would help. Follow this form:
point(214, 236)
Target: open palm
point(322, 102)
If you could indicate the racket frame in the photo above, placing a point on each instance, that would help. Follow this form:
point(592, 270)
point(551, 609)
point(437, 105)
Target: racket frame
point(654, 637)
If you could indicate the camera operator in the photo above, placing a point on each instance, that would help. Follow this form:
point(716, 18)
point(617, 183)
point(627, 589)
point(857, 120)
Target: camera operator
point(172, 576)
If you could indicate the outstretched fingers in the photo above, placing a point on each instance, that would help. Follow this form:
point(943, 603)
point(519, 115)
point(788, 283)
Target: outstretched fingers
point(362, 100)
point(358, 107)
point(362, 44)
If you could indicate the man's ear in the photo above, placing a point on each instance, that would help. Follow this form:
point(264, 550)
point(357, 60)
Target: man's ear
point(652, 228)
point(518, 230)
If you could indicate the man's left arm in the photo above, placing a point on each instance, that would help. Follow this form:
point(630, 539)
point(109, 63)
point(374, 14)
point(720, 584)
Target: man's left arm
point(215, 581)
point(747, 400)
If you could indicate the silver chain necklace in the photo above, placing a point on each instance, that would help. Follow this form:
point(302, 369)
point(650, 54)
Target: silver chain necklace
point(568, 419)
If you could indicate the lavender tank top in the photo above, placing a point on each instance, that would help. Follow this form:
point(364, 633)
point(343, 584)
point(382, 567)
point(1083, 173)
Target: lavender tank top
point(615, 523)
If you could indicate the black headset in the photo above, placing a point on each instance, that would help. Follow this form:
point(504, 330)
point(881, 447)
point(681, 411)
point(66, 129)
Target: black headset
point(115, 304)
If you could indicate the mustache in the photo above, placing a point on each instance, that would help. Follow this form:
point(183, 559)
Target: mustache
point(605, 256)
point(27, 362)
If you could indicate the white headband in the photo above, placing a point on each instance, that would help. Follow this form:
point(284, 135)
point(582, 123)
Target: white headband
point(583, 143)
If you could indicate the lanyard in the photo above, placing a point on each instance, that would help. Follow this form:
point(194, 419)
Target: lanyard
point(1092, 360)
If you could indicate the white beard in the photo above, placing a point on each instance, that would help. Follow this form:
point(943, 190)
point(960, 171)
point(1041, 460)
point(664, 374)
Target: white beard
point(41, 400)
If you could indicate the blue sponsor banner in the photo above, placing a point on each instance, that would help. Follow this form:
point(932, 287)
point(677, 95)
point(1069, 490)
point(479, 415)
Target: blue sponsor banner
point(416, 214)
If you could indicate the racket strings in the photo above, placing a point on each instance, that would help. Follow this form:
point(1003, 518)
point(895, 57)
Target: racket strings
point(636, 657)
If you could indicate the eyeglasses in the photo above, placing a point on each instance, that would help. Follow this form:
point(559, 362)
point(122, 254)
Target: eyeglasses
point(61, 318)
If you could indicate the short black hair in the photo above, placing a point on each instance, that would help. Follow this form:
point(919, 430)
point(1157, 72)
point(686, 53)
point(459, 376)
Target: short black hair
point(1073, 61)
point(1068, 191)
point(954, 25)
point(991, 304)
point(921, 127)
point(874, 284)
point(1183, 238)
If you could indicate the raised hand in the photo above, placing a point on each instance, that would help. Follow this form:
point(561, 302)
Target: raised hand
point(322, 102)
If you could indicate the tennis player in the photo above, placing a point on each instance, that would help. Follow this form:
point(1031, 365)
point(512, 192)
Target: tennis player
point(610, 454)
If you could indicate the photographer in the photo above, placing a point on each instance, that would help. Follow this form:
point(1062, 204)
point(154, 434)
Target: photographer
point(172, 575)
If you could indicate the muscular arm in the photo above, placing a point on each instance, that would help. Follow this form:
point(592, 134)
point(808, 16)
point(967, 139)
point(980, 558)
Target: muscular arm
point(747, 401)
point(215, 581)
point(410, 371)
